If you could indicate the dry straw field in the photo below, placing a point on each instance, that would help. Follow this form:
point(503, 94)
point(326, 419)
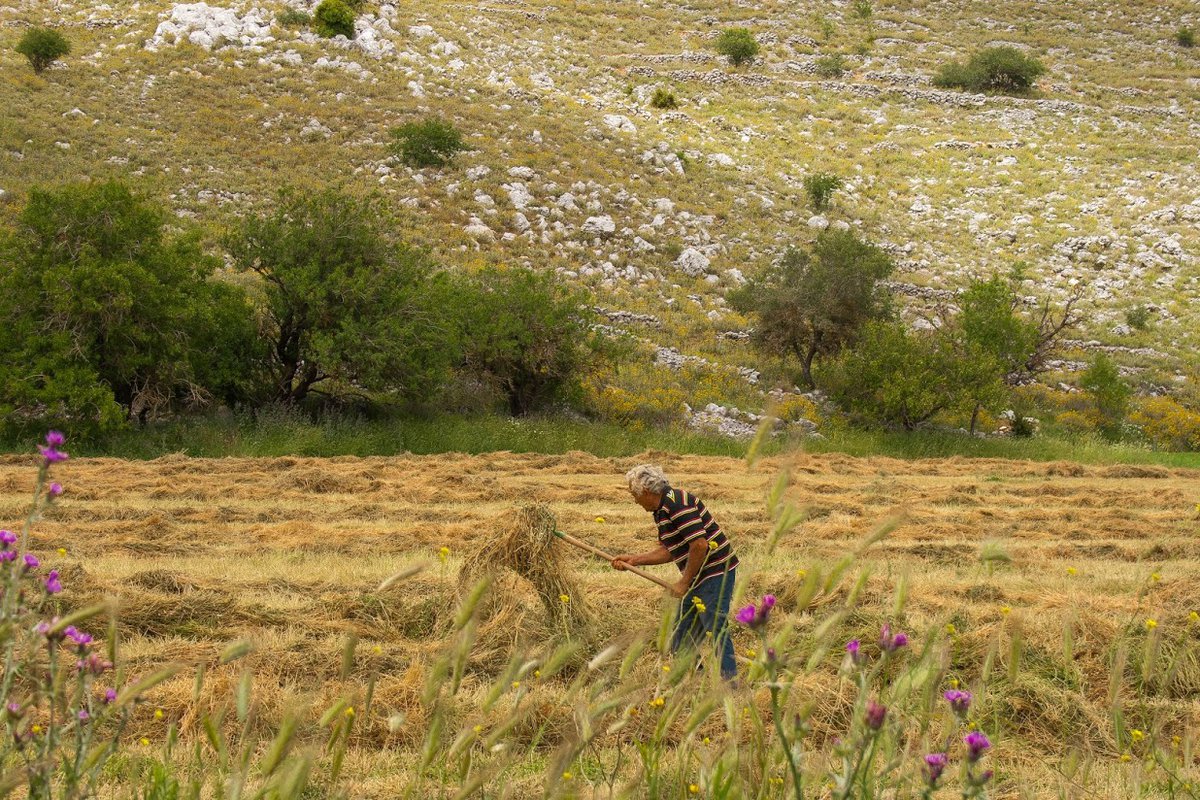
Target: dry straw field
point(1053, 565)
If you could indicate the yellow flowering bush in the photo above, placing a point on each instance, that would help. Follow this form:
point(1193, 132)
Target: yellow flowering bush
point(637, 395)
point(794, 407)
point(1167, 424)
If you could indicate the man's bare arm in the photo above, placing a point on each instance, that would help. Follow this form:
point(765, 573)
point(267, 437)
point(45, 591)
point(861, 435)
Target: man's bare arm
point(659, 555)
point(697, 553)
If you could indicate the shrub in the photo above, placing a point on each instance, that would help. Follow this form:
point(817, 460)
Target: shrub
point(334, 18)
point(108, 316)
point(738, 45)
point(429, 143)
point(820, 187)
point(293, 18)
point(43, 46)
point(861, 9)
point(1108, 392)
point(1002, 69)
point(663, 98)
point(1138, 317)
point(635, 395)
point(1167, 424)
point(811, 304)
point(831, 66)
point(524, 332)
point(1185, 37)
point(899, 377)
point(348, 310)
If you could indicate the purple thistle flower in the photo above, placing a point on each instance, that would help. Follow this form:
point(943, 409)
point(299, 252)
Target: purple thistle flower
point(7, 556)
point(768, 602)
point(14, 709)
point(94, 663)
point(891, 642)
point(756, 617)
point(875, 715)
point(55, 439)
point(935, 764)
point(853, 648)
point(55, 489)
point(976, 742)
point(110, 695)
point(52, 454)
point(8, 537)
point(31, 561)
point(745, 615)
point(83, 714)
point(77, 636)
point(53, 586)
point(959, 700)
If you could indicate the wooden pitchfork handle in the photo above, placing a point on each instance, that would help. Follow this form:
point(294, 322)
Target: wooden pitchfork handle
point(582, 545)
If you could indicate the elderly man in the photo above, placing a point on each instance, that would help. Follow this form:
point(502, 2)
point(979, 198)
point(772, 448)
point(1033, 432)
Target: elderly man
point(689, 536)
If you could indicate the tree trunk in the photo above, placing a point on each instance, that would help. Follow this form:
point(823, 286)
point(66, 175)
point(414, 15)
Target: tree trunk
point(974, 418)
point(806, 368)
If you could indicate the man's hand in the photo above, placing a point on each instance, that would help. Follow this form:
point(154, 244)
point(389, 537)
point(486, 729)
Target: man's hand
point(623, 561)
point(681, 588)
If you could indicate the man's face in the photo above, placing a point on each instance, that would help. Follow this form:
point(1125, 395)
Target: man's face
point(647, 500)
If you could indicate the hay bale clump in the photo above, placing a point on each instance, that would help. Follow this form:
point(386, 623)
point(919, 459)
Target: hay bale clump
point(524, 543)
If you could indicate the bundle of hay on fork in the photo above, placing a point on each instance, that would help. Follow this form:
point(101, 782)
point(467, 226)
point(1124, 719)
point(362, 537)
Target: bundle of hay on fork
point(524, 544)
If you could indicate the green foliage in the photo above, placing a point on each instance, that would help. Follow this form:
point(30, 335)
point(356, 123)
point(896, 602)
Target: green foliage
point(293, 18)
point(1185, 37)
point(43, 46)
point(1108, 392)
point(820, 187)
point(1138, 317)
point(1000, 69)
point(334, 18)
point(738, 45)
point(429, 143)
point(993, 339)
point(108, 316)
point(861, 9)
point(525, 334)
point(664, 98)
point(898, 377)
point(811, 304)
point(347, 309)
point(832, 65)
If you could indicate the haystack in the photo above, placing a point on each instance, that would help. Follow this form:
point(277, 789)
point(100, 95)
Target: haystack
point(523, 554)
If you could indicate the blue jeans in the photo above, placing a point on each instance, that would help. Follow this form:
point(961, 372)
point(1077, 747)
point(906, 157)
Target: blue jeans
point(693, 627)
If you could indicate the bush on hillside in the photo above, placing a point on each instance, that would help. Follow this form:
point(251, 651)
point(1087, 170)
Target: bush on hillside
point(831, 66)
point(334, 18)
point(348, 309)
point(43, 46)
point(1185, 37)
point(1138, 317)
point(663, 98)
point(861, 9)
point(1167, 424)
point(1001, 69)
point(525, 333)
point(432, 142)
point(108, 316)
point(820, 187)
point(1108, 393)
point(812, 304)
point(293, 18)
point(738, 45)
point(899, 377)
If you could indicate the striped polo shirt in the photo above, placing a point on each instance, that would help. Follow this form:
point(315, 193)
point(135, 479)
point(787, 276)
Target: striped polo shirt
point(681, 518)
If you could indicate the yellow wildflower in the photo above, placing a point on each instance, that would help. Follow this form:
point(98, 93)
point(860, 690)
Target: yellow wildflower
point(478, 729)
point(1136, 735)
point(707, 740)
point(600, 520)
point(516, 684)
point(666, 668)
point(658, 702)
point(158, 713)
point(62, 551)
point(376, 649)
point(349, 711)
point(1151, 624)
point(802, 573)
point(1125, 758)
point(954, 683)
point(950, 629)
point(537, 673)
point(693, 788)
point(443, 554)
point(712, 545)
point(36, 729)
point(144, 742)
point(567, 776)
point(751, 653)
point(1071, 570)
point(1193, 617)
point(1005, 610)
point(566, 598)
point(1155, 577)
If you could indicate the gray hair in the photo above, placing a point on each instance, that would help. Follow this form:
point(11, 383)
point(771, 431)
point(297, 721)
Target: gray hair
point(647, 478)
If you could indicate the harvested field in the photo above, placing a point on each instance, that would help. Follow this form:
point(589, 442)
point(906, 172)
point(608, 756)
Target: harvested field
point(289, 554)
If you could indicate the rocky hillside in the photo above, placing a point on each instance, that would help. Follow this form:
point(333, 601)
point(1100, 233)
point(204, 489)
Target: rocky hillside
point(1091, 181)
